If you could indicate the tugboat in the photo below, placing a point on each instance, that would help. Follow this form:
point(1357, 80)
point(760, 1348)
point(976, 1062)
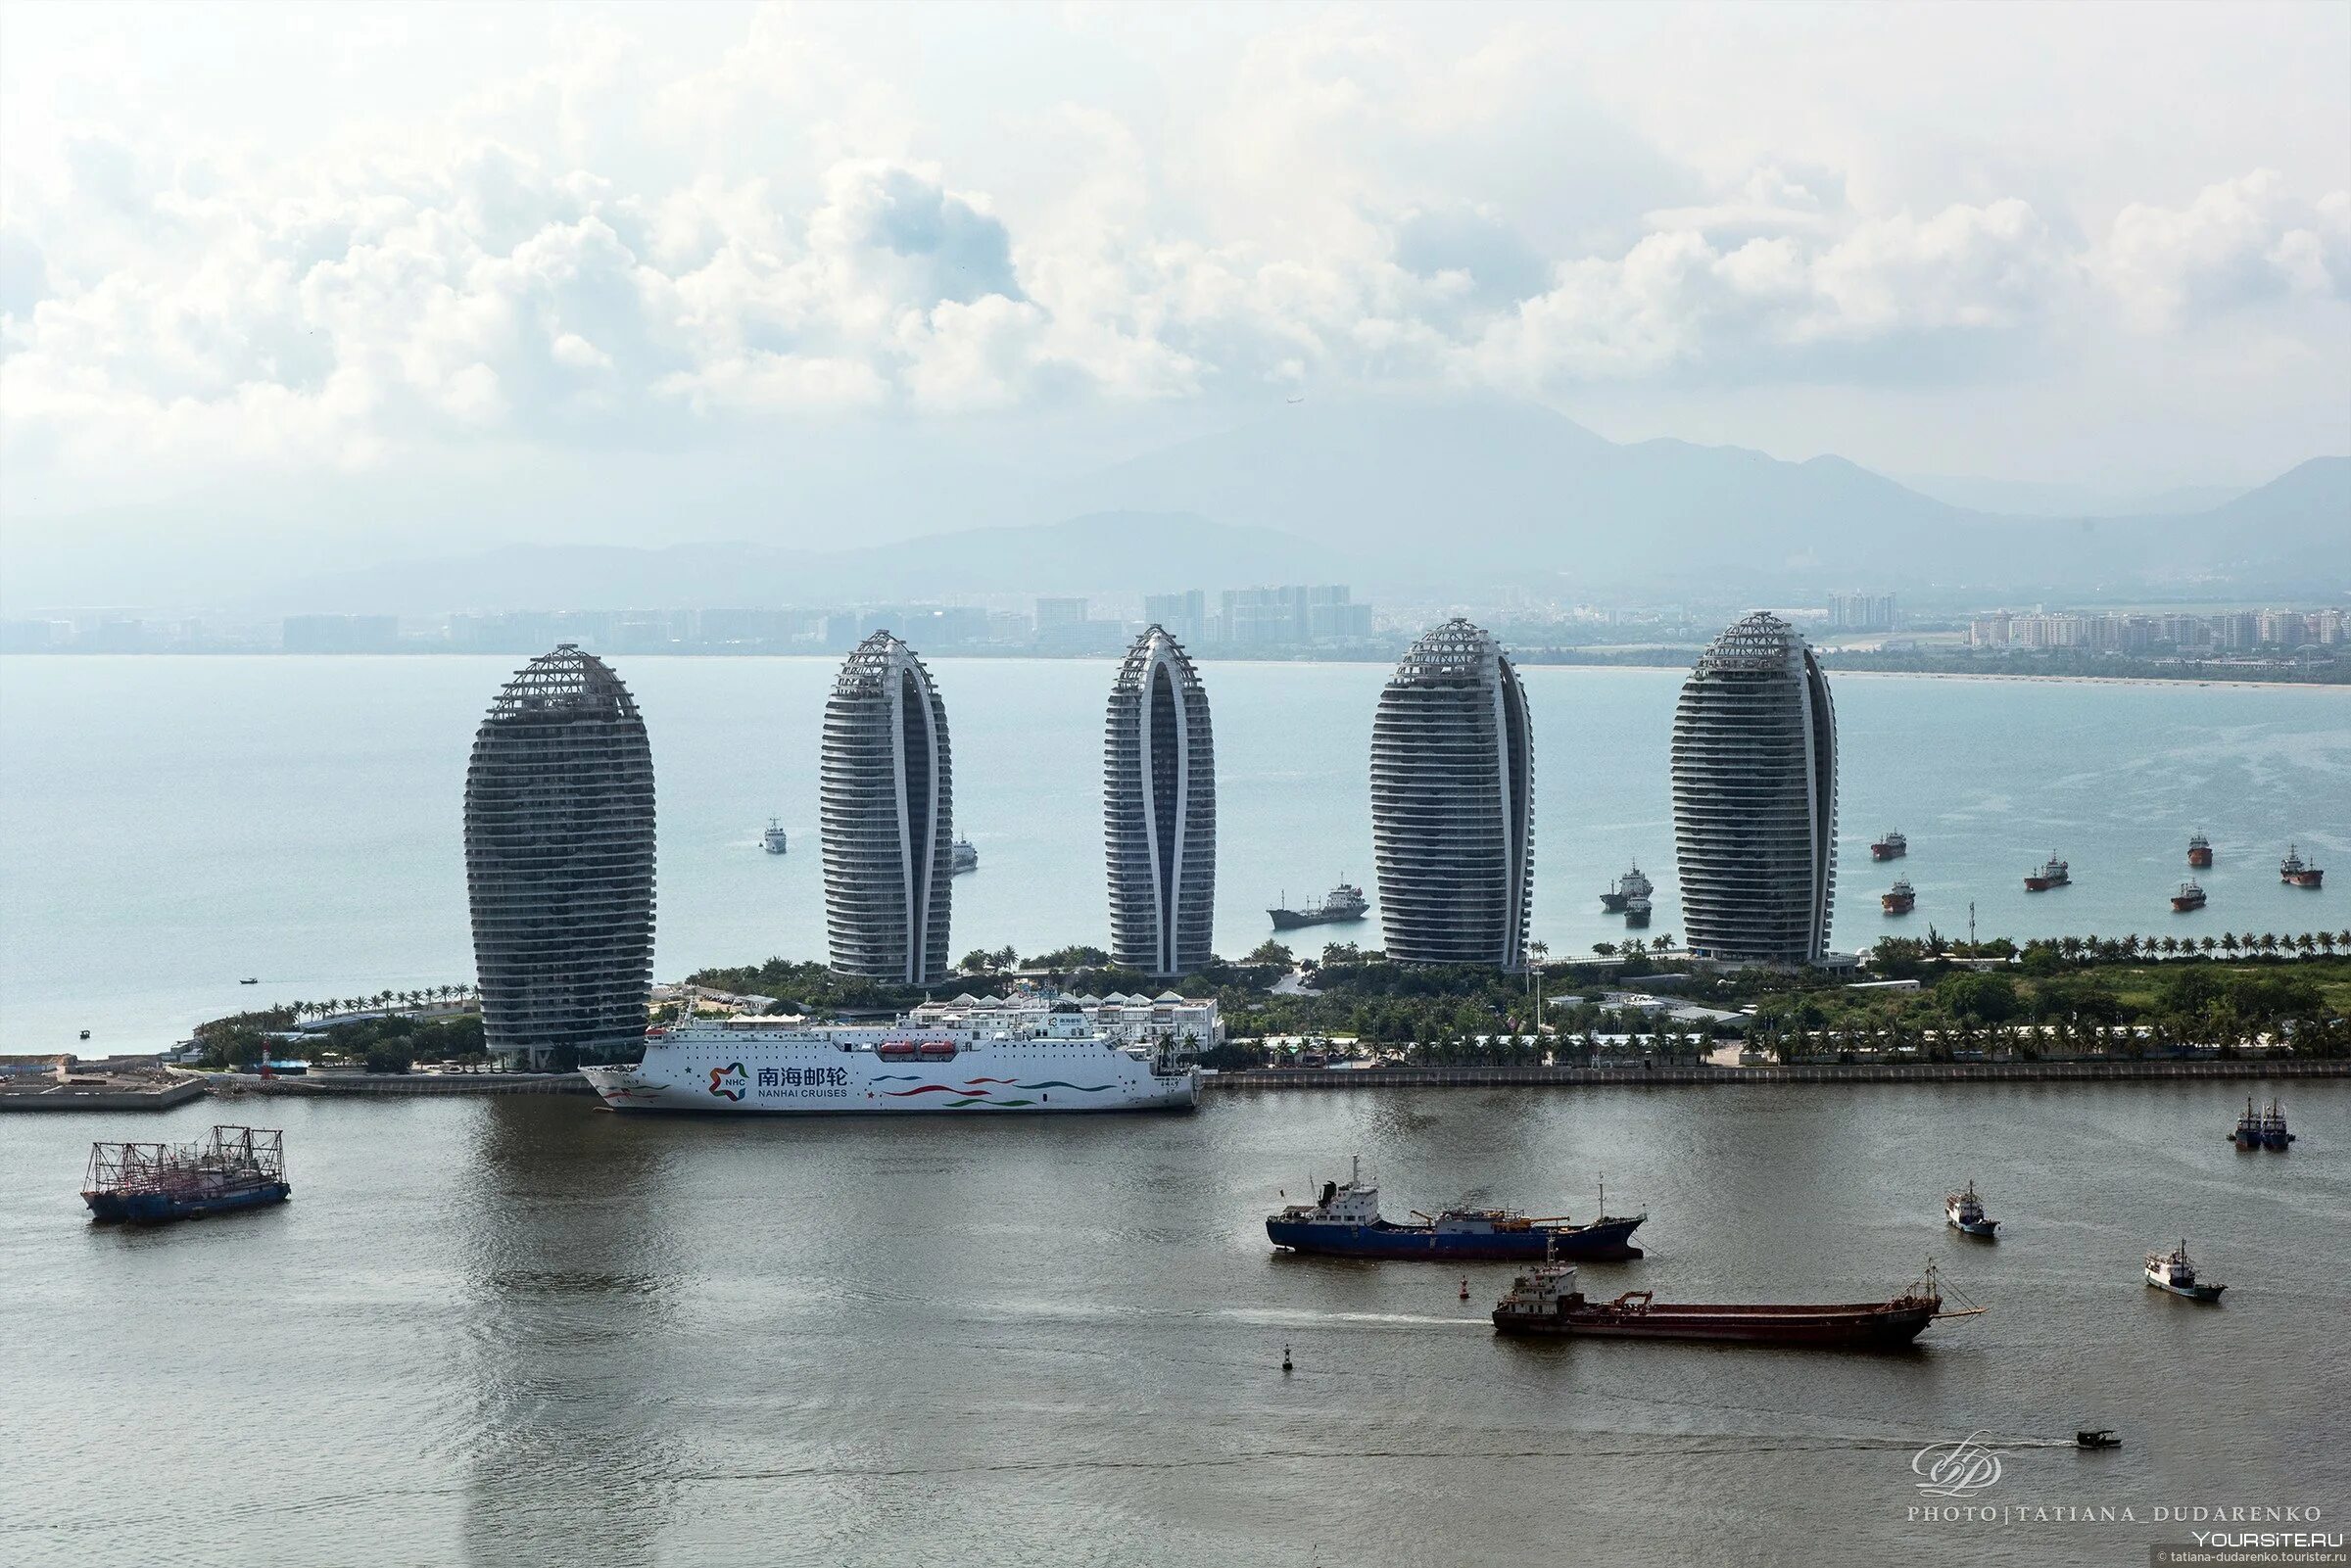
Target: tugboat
point(2297, 872)
point(1345, 902)
point(1893, 846)
point(1345, 1222)
point(773, 840)
point(147, 1183)
point(2273, 1128)
point(964, 856)
point(2174, 1272)
point(2189, 896)
point(1545, 1300)
point(1965, 1211)
point(1636, 910)
point(1900, 899)
point(2054, 873)
point(2200, 852)
point(2248, 1127)
point(1627, 888)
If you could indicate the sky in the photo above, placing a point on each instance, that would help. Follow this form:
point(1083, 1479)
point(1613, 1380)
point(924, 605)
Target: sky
point(371, 259)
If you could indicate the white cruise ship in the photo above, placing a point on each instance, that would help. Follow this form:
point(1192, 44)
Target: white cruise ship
point(1055, 1060)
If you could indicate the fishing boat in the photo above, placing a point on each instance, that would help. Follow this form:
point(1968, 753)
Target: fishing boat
point(2295, 871)
point(1345, 1221)
point(2200, 852)
point(2172, 1271)
point(2248, 1127)
point(1965, 1211)
point(1545, 1300)
point(2273, 1128)
point(2189, 896)
point(2053, 872)
point(148, 1183)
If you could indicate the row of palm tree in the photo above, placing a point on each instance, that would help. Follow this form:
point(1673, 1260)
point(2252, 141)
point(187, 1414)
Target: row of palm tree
point(2232, 943)
point(380, 1002)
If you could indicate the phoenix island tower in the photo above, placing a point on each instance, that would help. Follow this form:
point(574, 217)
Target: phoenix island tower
point(888, 809)
point(1159, 811)
point(1755, 797)
point(559, 864)
point(1453, 803)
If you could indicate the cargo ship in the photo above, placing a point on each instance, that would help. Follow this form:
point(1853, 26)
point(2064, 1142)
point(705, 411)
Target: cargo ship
point(2297, 872)
point(149, 1183)
point(1893, 846)
point(2189, 896)
point(962, 855)
point(1900, 899)
point(1345, 1222)
point(1343, 903)
point(2172, 1271)
point(1964, 1212)
point(1627, 888)
point(2053, 872)
point(2200, 852)
point(774, 840)
point(1545, 1300)
point(1051, 1059)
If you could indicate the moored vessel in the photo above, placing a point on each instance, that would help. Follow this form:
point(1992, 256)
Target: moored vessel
point(1893, 846)
point(2172, 1272)
point(147, 1183)
point(2248, 1127)
point(773, 840)
point(1900, 899)
point(1964, 1212)
point(2189, 896)
point(1343, 903)
point(1633, 884)
point(1345, 1221)
point(2273, 1128)
point(2200, 852)
point(2295, 871)
point(963, 855)
point(1637, 910)
point(2053, 872)
point(1545, 1300)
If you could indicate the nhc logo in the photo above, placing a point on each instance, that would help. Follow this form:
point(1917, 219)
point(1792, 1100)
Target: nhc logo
point(1955, 1469)
point(729, 1081)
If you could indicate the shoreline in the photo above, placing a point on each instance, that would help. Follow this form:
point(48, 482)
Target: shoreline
point(1404, 1078)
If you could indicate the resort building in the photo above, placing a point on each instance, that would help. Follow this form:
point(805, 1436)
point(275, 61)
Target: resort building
point(1755, 797)
point(559, 864)
point(888, 809)
point(1159, 811)
point(1453, 803)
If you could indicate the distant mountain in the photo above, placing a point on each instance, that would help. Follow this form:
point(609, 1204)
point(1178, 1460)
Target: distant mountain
point(2023, 497)
point(1122, 553)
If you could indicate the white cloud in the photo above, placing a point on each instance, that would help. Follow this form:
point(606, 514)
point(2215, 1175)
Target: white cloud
point(2240, 241)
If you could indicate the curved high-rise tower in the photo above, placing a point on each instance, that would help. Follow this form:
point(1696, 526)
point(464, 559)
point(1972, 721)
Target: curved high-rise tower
point(1159, 810)
point(888, 814)
point(560, 863)
point(1453, 815)
point(1755, 797)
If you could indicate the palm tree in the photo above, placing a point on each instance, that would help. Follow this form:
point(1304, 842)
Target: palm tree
point(2327, 943)
point(2130, 946)
point(2208, 944)
point(2170, 945)
point(2228, 942)
point(2268, 941)
point(1605, 949)
point(2303, 944)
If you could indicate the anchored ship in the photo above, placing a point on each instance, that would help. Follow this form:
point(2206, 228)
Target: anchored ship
point(1345, 1222)
point(1049, 1060)
point(963, 856)
point(1893, 846)
point(1545, 1300)
point(773, 840)
point(2273, 1128)
point(2174, 1272)
point(1624, 889)
point(2200, 852)
point(2054, 872)
point(2189, 896)
point(2297, 872)
point(147, 1183)
point(2248, 1127)
point(1900, 899)
point(1965, 1211)
point(1345, 902)
point(1636, 910)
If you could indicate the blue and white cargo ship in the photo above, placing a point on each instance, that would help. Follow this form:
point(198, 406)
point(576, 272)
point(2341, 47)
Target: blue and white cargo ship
point(1045, 1058)
point(1345, 1222)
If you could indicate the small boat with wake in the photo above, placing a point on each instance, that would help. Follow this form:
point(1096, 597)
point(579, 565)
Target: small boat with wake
point(1345, 1221)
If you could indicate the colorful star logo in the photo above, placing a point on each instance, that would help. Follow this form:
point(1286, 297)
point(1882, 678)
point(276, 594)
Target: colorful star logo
point(730, 1081)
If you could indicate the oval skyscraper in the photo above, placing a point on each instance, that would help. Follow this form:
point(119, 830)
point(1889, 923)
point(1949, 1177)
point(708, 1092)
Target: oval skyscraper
point(1453, 814)
point(888, 809)
point(560, 863)
point(1755, 797)
point(1159, 810)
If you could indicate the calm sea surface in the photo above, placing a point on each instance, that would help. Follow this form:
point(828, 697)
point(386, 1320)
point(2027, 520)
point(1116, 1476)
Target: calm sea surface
point(168, 826)
point(525, 1331)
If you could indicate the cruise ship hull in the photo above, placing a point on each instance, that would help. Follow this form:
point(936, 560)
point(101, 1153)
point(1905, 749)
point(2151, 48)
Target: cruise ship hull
point(1605, 1240)
point(746, 1077)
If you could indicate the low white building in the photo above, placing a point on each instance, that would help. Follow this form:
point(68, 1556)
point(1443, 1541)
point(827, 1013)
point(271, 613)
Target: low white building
point(1128, 1019)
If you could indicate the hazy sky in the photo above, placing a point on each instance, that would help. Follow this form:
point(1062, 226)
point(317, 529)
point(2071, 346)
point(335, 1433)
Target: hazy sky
point(342, 246)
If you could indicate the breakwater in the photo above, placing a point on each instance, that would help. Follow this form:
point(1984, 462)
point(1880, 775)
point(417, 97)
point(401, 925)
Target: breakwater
point(1473, 1078)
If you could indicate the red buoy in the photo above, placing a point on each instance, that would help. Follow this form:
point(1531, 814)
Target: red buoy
point(1464, 1287)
